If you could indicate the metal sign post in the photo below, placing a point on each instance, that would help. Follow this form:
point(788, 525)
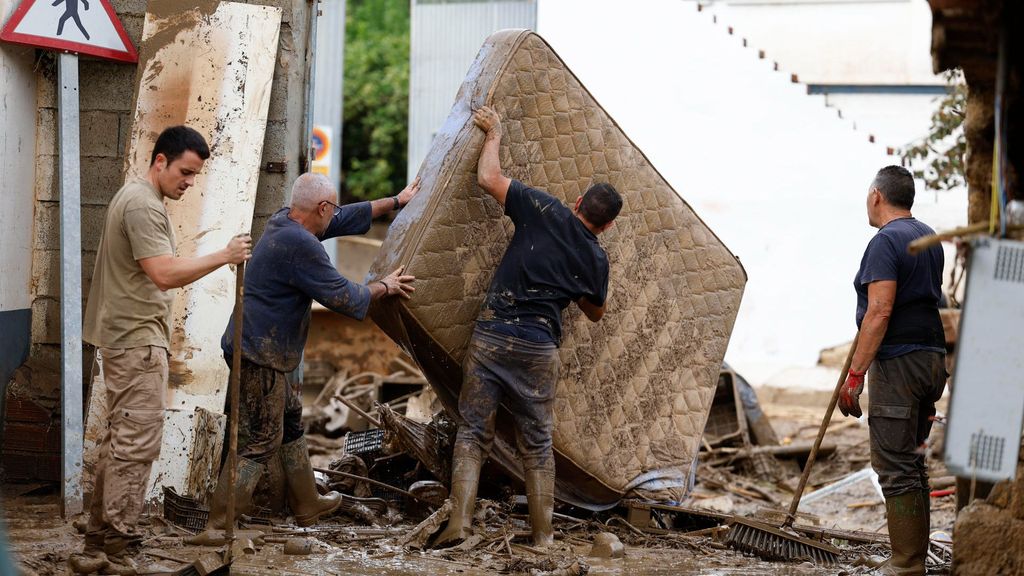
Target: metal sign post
point(70, 285)
point(70, 27)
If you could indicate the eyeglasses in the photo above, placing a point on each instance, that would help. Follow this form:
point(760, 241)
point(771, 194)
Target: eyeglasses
point(337, 209)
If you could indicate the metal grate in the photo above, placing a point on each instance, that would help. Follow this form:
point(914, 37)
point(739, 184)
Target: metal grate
point(987, 451)
point(1010, 264)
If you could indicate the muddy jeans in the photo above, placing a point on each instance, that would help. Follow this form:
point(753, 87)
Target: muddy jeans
point(136, 384)
point(522, 375)
point(901, 399)
point(270, 411)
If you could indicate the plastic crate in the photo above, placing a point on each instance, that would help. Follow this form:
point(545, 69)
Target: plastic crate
point(369, 443)
point(184, 511)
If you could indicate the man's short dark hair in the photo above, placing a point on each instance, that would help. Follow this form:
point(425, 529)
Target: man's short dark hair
point(896, 185)
point(176, 140)
point(601, 204)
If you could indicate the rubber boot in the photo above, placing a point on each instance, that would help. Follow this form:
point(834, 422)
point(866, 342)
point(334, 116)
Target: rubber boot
point(908, 517)
point(466, 463)
point(248, 476)
point(92, 558)
point(116, 546)
point(306, 503)
point(88, 562)
point(270, 495)
point(540, 499)
point(120, 565)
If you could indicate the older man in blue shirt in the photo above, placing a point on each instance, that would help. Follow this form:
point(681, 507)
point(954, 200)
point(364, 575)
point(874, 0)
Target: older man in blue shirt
point(289, 269)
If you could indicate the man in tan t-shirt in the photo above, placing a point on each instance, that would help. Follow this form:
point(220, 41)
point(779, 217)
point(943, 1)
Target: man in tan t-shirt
point(128, 319)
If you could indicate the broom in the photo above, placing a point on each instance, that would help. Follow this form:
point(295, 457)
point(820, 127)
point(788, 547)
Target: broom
point(782, 542)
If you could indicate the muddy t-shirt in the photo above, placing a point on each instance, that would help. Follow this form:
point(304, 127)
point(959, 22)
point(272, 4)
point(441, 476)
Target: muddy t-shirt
point(551, 261)
point(289, 269)
point(125, 308)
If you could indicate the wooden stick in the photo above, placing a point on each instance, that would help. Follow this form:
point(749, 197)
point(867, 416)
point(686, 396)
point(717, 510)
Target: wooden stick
point(165, 556)
point(372, 481)
point(234, 383)
point(791, 516)
point(932, 239)
point(865, 504)
point(358, 410)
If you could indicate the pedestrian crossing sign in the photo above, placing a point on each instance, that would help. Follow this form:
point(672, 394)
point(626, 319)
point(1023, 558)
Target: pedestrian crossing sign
point(79, 26)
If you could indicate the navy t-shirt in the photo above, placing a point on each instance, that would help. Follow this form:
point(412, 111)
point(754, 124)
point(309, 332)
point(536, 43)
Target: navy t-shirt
point(914, 323)
point(551, 261)
point(289, 269)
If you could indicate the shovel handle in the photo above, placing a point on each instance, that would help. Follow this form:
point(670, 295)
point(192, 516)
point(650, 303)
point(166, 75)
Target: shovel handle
point(234, 382)
point(791, 516)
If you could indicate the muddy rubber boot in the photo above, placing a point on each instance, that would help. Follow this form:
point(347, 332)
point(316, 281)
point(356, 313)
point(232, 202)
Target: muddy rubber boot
point(908, 517)
point(120, 565)
point(272, 488)
point(89, 561)
point(92, 558)
point(248, 476)
point(540, 499)
point(466, 463)
point(306, 503)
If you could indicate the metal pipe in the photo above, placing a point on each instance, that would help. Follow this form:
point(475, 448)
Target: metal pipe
point(70, 285)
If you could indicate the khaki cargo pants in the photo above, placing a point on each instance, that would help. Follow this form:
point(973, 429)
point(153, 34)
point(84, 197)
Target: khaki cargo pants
point(136, 383)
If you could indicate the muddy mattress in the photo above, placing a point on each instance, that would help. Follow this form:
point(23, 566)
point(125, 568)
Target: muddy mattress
point(636, 388)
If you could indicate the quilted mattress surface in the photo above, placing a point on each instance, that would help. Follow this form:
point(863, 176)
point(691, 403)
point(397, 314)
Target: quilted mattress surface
point(635, 389)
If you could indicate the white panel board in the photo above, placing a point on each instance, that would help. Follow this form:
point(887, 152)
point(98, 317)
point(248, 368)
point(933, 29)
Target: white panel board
point(987, 409)
point(444, 40)
point(209, 67)
point(212, 70)
point(17, 169)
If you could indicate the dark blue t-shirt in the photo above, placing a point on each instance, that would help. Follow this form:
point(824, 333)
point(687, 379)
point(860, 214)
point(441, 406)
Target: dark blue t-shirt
point(914, 323)
point(551, 261)
point(289, 269)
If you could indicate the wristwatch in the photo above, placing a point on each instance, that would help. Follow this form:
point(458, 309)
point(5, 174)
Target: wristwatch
point(397, 205)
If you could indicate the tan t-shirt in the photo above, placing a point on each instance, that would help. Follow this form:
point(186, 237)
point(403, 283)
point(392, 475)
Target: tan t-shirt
point(125, 307)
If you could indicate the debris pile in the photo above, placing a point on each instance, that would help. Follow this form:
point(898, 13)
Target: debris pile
point(385, 443)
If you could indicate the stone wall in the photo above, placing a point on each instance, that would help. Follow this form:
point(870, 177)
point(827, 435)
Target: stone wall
point(106, 90)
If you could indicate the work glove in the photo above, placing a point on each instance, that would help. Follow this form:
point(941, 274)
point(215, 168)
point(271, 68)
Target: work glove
point(849, 396)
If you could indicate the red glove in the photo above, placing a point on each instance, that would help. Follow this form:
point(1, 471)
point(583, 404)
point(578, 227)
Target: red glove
point(849, 396)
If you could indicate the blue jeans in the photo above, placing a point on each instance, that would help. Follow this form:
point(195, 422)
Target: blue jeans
point(520, 374)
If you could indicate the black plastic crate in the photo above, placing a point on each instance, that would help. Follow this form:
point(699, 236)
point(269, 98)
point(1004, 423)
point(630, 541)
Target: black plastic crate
point(368, 444)
point(184, 511)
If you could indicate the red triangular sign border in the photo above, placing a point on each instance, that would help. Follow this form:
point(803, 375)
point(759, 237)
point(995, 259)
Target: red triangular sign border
point(8, 34)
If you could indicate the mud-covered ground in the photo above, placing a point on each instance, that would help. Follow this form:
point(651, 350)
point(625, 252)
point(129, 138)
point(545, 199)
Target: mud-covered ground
point(41, 541)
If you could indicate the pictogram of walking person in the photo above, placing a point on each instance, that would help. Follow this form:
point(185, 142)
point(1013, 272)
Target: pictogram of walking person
point(71, 11)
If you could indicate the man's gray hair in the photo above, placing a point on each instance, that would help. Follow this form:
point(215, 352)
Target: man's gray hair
point(309, 190)
point(896, 184)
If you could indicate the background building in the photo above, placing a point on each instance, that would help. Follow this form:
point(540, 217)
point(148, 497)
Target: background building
point(738, 105)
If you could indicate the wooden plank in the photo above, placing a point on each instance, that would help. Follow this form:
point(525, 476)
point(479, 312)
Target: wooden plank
point(209, 66)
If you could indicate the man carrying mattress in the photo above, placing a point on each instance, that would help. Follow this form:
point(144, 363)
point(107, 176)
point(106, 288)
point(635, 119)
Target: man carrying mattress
point(553, 259)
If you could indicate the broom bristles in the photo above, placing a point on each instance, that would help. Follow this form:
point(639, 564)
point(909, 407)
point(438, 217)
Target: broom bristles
point(771, 543)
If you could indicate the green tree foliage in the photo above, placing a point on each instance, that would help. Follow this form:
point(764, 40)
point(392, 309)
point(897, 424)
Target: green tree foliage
point(376, 95)
point(938, 158)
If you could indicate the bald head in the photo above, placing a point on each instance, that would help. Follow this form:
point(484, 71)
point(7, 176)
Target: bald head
point(310, 190)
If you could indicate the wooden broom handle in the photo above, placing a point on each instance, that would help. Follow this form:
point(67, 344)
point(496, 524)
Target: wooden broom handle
point(791, 516)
